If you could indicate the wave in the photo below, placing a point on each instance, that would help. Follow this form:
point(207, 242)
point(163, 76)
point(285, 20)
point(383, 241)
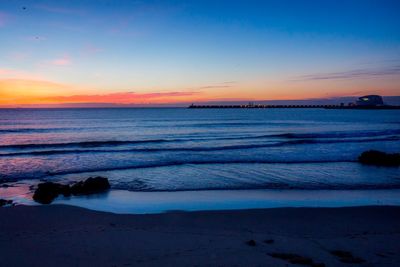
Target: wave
point(225, 124)
point(42, 130)
point(142, 187)
point(189, 149)
point(199, 125)
point(148, 183)
point(81, 144)
point(115, 143)
point(58, 129)
point(352, 134)
point(107, 143)
point(156, 164)
point(192, 162)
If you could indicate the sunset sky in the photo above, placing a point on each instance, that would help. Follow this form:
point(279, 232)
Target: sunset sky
point(155, 52)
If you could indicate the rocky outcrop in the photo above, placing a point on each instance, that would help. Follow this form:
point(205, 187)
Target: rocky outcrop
point(91, 185)
point(4, 202)
point(378, 158)
point(46, 192)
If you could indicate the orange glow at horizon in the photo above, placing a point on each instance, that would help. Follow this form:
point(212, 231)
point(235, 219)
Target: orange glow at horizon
point(17, 91)
point(31, 92)
point(20, 92)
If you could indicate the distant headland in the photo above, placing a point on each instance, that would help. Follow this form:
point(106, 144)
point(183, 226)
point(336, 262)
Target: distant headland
point(364, 102)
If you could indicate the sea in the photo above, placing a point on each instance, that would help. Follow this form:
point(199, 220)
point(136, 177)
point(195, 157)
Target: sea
point(192, 153)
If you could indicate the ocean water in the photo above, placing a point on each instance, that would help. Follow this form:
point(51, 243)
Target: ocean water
point(178, 149)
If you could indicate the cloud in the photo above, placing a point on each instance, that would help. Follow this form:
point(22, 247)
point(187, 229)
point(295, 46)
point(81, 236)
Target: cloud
point(214, 86)
point(122, 28)
point(28, 84)
point(230, 82)
point(352, 74)
point(5, 71)
point(90, 49)
point(17, 74)
point(63, 61)
point(18, 56)
point(227, 84)
point(3, 19)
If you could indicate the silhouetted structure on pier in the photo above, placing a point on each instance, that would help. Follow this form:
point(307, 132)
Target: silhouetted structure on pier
point(364, 102)
point(370, 100)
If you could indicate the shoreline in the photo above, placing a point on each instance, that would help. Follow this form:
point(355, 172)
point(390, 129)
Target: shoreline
point(70, 236)
point(144, 202)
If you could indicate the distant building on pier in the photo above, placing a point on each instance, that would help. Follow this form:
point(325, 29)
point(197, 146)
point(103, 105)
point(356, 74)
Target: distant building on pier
point(370, 100)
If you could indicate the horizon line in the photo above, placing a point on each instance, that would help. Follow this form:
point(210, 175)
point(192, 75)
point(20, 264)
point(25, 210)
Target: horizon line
point(392, 99)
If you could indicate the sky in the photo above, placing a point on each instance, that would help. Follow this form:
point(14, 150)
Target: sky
point(93, 53)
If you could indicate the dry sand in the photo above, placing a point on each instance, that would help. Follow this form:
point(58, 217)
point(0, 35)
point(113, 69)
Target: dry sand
point(58, 235)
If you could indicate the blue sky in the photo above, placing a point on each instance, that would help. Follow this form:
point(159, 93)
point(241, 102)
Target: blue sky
point(208, 50)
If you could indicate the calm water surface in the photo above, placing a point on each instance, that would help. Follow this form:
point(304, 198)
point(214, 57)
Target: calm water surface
point(181, 149)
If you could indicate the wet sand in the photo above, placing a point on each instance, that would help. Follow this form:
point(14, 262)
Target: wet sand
point(59, 235)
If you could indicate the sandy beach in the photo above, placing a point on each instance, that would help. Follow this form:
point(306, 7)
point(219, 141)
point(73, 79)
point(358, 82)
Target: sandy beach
point(60, 235)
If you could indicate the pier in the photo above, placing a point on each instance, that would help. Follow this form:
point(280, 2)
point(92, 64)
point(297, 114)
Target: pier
point(364, 102)
point(260, 106)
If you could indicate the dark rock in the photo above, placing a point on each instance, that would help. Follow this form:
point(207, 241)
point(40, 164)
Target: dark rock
point(374, 157)
point(4, 202)
point(65, 190)
point(91, 185)
point(48, 191)
point(251, 243)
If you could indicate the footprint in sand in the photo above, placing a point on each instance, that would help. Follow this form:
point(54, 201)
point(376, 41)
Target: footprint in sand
point(296, 259)
point(269, 241)
point(251, 243)
point(346, 256)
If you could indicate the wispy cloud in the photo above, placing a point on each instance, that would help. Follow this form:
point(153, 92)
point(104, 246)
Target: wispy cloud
point(90, 49)
point(3, 19)
point(4, 71)
point(17, 74)
point(227, 84)
point(123, 28)
point(214, 86)
point(352, 74)
point(230, 82)
point(62, 61)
